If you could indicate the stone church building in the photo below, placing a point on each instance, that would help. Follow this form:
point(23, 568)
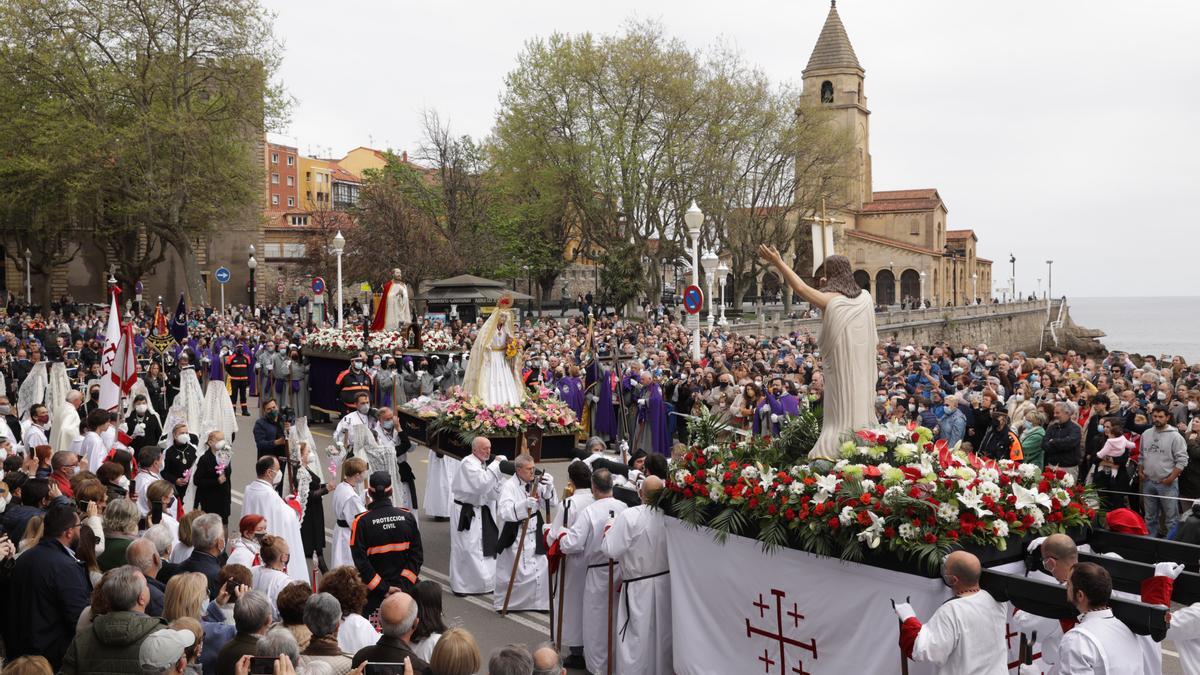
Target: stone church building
point(898, 241)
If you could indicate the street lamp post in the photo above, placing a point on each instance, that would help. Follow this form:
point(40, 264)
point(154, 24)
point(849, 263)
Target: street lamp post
point(339, 244)
point(28, 279)
point(722, 277)
point(253, 265)
point(710, 262)
point(694, 218)
point(1049, 279)
point(1013, 282)
point(922, 289)
point(974, 287)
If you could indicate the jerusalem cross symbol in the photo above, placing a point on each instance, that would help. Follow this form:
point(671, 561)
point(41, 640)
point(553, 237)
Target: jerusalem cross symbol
point(779, 635)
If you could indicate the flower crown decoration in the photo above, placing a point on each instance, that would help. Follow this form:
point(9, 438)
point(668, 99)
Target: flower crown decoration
point(505, 301)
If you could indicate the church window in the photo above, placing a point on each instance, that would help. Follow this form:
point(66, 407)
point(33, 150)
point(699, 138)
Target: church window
point(826, 92)
point(914, 226)
point(860, 256)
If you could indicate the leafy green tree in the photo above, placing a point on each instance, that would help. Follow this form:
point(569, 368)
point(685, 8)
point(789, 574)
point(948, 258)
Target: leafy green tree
point(149, 112)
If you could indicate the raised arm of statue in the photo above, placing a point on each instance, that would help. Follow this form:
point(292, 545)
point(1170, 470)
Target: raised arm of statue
point(816, 298)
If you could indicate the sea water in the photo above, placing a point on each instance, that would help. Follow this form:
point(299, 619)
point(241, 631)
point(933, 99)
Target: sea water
point(1158, 326)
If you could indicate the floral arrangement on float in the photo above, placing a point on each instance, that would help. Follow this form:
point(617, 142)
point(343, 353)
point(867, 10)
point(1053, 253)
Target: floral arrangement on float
point(439, 340)
point(468, 416)
point(350, 340)
point(893, 494)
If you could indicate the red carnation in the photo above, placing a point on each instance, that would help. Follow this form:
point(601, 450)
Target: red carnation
point(931, 538)
point(865, 498)
point(753, 503)
point(700, 460)
point(833, 523)
point(772, 509)
point(790, 514)
point(889, 532)
point(953, 534)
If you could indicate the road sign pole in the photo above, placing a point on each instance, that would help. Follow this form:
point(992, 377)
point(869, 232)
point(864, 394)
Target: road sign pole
point(222, 299)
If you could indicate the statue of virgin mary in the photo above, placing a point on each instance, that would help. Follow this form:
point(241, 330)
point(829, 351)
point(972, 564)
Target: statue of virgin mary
point(492, 375)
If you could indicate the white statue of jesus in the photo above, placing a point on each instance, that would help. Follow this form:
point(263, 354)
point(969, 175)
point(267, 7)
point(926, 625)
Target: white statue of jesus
point(393, 312)
point(848, 345)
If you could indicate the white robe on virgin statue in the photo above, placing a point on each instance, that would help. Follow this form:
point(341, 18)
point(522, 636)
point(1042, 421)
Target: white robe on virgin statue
point(574, 568)
point(965, 636)
point(282, 521)
point(496, 382)
point(475, 486)
point(585, 537)
point(438, 480)
point(531, 590)
point(847, 342)
point(638, 541)
point(347, 504)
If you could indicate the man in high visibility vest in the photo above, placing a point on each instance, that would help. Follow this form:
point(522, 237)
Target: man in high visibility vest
point(237, 366)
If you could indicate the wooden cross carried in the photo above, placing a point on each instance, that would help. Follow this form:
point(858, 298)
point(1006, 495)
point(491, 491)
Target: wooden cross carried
point(822, 237)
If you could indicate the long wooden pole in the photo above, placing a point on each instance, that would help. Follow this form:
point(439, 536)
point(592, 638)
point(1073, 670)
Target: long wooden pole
point(562, 592)
point(512, 577)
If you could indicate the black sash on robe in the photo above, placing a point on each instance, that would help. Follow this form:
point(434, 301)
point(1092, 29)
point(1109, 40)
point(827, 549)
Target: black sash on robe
point(410, 481)
point(490, 533)
point(508, 535)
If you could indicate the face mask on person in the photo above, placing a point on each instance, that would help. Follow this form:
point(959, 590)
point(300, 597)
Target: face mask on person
point(377, 362)
point(259, 536)
point(881, 399)
point(182, 439)
point(95, 395)
point(1162, 396)
point(141, 408)
point(123, 483)
point(1028, 425)
point(987, 364)
point(364, 408)
point(388, 424)
point(358, 365)
point(1191, 405)
point(272, 415)
point(278, 477)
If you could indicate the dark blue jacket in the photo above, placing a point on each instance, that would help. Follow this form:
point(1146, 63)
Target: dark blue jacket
point(48, 592)
point(207, 565)
point(16, 519)
point(265, 434)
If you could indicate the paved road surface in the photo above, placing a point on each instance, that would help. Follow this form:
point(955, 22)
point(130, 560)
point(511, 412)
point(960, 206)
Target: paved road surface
point(491, 630)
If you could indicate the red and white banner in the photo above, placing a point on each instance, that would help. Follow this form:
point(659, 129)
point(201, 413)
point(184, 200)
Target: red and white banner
point(739, 610)
point(118, 360)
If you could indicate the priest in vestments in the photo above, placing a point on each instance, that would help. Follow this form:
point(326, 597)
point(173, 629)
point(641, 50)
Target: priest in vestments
point(847, 343)
point(638, 541)
point(652, 418)
point(282, 520)
point(393, 311)
point(599, 383)
point(516, 505)
point(473, 532)
point(64, 430)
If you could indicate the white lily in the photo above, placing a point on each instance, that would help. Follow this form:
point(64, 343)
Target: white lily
point(1027, 498)
point(973, 501)
point(873, 534)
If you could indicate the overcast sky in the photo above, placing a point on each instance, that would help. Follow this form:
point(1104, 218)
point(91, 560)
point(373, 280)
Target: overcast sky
point(1063, 130)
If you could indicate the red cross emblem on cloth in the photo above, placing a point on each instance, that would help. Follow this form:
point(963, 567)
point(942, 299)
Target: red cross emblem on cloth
point(779, 634)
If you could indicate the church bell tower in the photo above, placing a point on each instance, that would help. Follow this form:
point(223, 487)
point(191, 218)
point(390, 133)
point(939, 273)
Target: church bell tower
point(833, 80)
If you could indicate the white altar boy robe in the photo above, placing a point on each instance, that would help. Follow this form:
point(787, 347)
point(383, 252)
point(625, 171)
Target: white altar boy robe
point(573, 566)
point(476, 487)
point(531, 590)
point(638, 541)
point(965, 636)
point(585, 537)
point(438, 481)
point(347, 505)
point(1099, 645)
point(282, 521)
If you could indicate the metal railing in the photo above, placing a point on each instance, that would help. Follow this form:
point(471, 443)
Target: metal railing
point(894, 317)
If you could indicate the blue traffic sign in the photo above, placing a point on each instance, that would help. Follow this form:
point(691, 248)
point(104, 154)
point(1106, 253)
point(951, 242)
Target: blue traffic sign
point(318, 285)
point(222, 275)
point(693, 299)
